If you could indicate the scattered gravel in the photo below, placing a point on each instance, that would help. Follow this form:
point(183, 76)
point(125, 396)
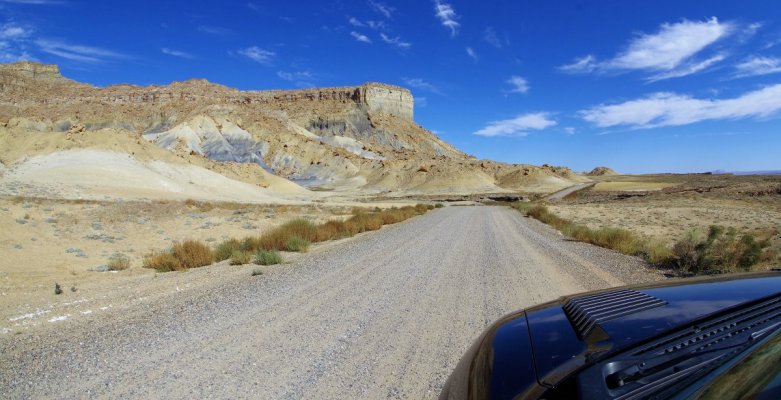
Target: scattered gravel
point(384, 315)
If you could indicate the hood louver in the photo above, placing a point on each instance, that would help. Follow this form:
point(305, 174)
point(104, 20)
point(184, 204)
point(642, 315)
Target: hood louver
point(588, 311)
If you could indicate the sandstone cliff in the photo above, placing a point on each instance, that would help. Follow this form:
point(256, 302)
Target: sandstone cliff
point(361, 138)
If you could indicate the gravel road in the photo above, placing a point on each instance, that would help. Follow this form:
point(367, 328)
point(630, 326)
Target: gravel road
point(383, 315)
point(564, 192)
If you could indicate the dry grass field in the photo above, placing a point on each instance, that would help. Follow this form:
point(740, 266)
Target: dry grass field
point(73, 243)
point(666, 207)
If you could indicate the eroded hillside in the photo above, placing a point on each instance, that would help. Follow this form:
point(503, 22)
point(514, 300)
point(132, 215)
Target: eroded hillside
point(359, 139)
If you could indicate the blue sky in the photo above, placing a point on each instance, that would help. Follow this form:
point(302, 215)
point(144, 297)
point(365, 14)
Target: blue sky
point(640, 86)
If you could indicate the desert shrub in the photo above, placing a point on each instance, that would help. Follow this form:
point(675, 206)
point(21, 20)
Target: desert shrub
point(267, 257)
point(192, 254)
point(257, 272)
point(421, 208)
point(688, 252)
point(118, 262)
point(438, 205)
point(162, 261)
point(620, 240)
point(57, 288)
point(296, 243)
point(657, 253)
point(224, 250)
point(331, 230)
point(239, 257)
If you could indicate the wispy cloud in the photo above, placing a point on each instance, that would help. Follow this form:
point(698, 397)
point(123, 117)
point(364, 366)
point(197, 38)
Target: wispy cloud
point(671, 109)
point(176, 53)
point(490, 36)
point(418, 83)
point(258, 55)
point(12, 31)
point(360, 37)
point(300, 78)
point(569, 130)
point(668, 53)
point(376, 25)
point(518, 126)
point(472, 54)
point(34, 2)
point(77, 52)
point(688, 69)
point(355, 22)
point(421, 101)
point(757, 65)
point(214, 30)
point(517, 85)
point(382, 8)
point(395, 41)
point(447, 16)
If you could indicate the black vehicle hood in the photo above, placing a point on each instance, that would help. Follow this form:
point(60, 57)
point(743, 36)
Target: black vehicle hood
point(560, 348)
point(528, 352)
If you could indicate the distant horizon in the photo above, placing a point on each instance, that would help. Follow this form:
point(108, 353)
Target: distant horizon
point(665, 88)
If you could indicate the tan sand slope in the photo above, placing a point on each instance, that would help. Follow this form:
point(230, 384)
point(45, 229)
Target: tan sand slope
point(100, 174)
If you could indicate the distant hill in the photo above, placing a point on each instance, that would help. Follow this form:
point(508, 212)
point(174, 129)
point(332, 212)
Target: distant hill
point(771, 172)
point(602, 171)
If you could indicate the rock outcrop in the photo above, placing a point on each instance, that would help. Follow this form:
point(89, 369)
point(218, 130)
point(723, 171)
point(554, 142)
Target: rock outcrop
point(346, 138)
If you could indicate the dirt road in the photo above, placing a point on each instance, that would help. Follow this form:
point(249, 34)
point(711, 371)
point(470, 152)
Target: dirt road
point(385, 315)
point(564, 192)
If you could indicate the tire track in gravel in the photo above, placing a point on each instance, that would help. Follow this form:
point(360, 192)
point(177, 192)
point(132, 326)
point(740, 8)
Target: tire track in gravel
point(383, 315)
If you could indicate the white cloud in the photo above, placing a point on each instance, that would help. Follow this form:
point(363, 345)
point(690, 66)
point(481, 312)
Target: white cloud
point(360, 37)
point(447, 16)
point(583, 65)
point(33, 2)
point(418, 83)
point(377, 25)
point(671, 49)
point(396, 41)
point(176, 53)
point(421, 101)
point(688, 69)
point(758, 65)
point(382, 8)
point(213, 30)
point(355, 22)
point(76, 52)
point(300, 78)
point(258, 55)
point(491, 38)
point(671, 109)
point(519, 85)
point(569, 130)
point(518, 126)
point(471, 53)
point(295, 76)
point(13, 32)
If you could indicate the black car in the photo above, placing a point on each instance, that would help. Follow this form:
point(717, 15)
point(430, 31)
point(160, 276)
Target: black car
point(714, 338)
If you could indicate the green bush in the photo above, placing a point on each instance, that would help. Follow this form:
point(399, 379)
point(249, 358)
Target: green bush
point(240, 257)
point(268, 257)
point(298, 244)
point(224, 250)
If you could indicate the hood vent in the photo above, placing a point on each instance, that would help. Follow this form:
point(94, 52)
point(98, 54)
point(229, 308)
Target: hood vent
point(587, 311)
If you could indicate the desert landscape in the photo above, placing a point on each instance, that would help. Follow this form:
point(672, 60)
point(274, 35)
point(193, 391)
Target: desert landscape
point(120, 204)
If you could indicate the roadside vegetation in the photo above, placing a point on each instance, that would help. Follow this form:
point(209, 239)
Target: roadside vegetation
point(295, 236)
point(719, 250)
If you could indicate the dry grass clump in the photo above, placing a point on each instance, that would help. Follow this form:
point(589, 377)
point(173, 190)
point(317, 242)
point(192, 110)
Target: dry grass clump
point(298, 234)
point(118, 262)
point(720, 250)
point(181, 256)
